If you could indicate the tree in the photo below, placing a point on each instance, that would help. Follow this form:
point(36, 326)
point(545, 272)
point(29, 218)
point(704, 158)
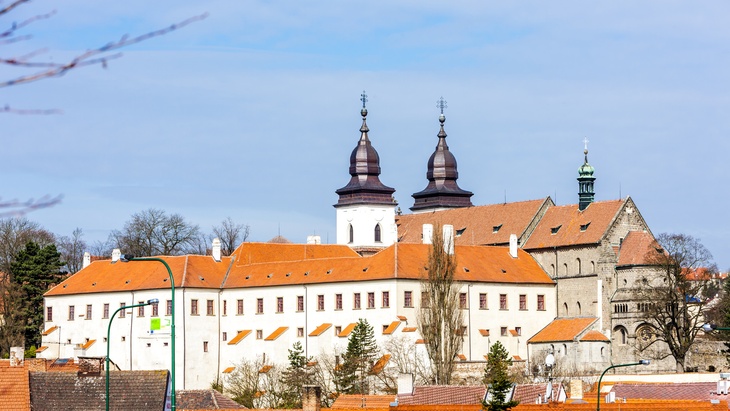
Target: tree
point(15, 234)
point(296, 375)
point(231, 235)
point(351, 376)
point(153, 232)
point(34, 271)
point(440, 318)
point(675, 308)
point(72, 250)
point(497, 379)
point(404, 359)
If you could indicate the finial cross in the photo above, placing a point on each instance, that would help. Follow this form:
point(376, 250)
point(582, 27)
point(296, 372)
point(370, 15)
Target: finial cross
point(363, 98)
point(441, 103)
point(585, 142)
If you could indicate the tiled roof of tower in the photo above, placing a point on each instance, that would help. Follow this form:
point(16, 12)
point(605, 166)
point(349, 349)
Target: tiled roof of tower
point(14, 388)
point(104, 276)
point(562, 329)
point(475, 263)
point(479, 222)
point(637, 249)
point(566, 225)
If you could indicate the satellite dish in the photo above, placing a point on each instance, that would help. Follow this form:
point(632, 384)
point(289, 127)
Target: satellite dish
point(550, 360)
point(549, 391)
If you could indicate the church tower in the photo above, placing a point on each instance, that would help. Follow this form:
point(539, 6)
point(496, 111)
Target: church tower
point(366, 207)
point(586, 194)
point(442, 191)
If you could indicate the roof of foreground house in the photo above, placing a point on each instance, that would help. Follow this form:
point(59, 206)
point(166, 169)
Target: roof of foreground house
point(444, 394)
point(196, 400)
point(14, 390)
point(564, 329)
point(699, 391)
point(356, 401)
point(479, 225)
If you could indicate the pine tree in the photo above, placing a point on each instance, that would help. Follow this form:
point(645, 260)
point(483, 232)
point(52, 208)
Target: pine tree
point(296, 375)
point(34, 271)
point(351, 375)
point(496, 378)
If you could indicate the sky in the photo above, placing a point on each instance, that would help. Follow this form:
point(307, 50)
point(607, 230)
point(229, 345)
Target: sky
point(252, 113)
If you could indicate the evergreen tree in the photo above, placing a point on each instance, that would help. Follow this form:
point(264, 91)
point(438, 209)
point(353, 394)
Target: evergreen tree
point(34, 271)
point(496, 378)
point(297, 374)
point(351, 375)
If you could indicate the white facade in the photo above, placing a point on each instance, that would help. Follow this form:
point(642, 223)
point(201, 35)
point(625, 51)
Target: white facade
point(357, 225)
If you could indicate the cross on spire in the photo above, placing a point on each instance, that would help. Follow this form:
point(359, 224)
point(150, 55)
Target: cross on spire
point(363, 98)
point(441, 103)
point(585, 143)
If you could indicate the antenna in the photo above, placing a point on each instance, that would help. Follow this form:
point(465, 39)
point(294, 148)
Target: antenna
point(619, 190)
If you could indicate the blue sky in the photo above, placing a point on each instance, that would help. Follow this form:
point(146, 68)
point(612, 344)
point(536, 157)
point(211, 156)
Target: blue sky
point(252, 113)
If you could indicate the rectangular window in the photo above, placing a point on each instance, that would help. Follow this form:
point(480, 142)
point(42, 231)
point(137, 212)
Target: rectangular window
point(259, 334)
point(193, 307)
point(503, 331)
point(338, 330)
point(503, 301)
point(371, 300)
point(88, 311)
point(259, 306)
point(300, 303)
point(49, 313)
point(225, 307)
point(356, 301)
point(386, 299)
point(122, 313)
point(482, 301)
point(239, 307)
point(106, 310)
point(408, 299)
point(168, 307)
point(224, 336)
point(71, 313)
point(425, 301)
point(205, 346)
point(140, 309)
point(209, 307)
point(541, 302)
point(462, 301)
point(279, 304)
point(155, 309)
point(300, 332)
point(320, 302)
point(523, 302)
point(518, 330)
point(338, 301)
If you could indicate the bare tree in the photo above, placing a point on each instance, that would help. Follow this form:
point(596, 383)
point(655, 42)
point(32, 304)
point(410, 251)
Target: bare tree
point(404, 359)
point(672, 302)
point(15, 234)
point(440, 318)
point(72, 250)
point(231, 235)
point(153, 232)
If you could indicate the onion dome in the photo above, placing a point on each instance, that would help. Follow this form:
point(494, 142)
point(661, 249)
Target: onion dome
point(586, 193)
point(365, 186)
point(442, 190)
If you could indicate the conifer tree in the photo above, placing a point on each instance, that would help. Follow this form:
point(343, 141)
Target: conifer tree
point(297, 374)
point(351, 375)
point(496, 378)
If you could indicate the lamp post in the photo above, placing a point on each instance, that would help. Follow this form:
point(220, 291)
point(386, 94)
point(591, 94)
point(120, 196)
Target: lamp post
point(125, 258)
point(109, 339)
point(598, 396)
point(708, 328)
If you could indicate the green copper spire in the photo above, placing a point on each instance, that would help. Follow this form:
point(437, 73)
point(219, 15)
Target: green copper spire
point(586, 195)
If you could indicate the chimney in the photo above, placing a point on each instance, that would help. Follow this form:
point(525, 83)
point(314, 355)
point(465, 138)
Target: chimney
point(116, 254)
point(405, 384)
point(576, 389)
point(311, 398)
point(314, 239)
point(87, 259)
point(216, 249)
point(449, 239)
point(90, 366)
point(17, 355)
point(427, 233)
point(513, 245)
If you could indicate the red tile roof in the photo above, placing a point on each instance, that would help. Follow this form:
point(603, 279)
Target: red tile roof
point(356, 401)
point(239, 337)
point(257, 253)
point(444, 394)
point(14, 388)
point(50, 330)
point(594, 335)
point(347, 330)
point(566, 225)
point(319, 330)
point(380, 364)
point(276, 334)
point(700, 391)
point(409, 329)
point(478, 223)
point(563, 329)
point(638, 248)
point(391, 328)
point(483, 332)
point(528, 393)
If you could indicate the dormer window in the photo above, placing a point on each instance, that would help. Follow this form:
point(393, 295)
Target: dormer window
point(555, 229)
point(584, 227)
point(377, 233)
point(460, 231)
point(496, 228)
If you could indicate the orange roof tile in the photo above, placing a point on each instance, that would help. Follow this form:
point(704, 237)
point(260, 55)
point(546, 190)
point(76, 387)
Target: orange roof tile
point(380, 364)
point(516, 358)
point(265, 369)
point(50, 330)
point(358, 402)
point(391, 328)
point(514, 333)
point(420, 341)
point(562, 329)
point(229, 370)
point(319, 330)
point(481, 225)
point(256, 253)
point(41, 349)
point(239, 337)
point(409, 329)
point(88, 344)
point(638, 248)
point(594, 335)
point(14, 388)
point(483, 332)
point(462, 357)
point(403, 318)
point(566, 225)
point(346, 332)
point(278, 332)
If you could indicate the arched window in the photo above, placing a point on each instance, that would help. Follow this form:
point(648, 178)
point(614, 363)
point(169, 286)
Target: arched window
point(565, 269)
point(577, 305)
point(377, 233)
point(565, 349)
point(552, 270)
point(620, 335)
point(352, 234)
point(602, 351)
point(580, 269)
point(593, 267)
point(565, 309)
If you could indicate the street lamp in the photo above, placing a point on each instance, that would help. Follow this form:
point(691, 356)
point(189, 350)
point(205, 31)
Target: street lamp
point(125, 258)
point(109, 339)
point(598, 396)
point(708, 328)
